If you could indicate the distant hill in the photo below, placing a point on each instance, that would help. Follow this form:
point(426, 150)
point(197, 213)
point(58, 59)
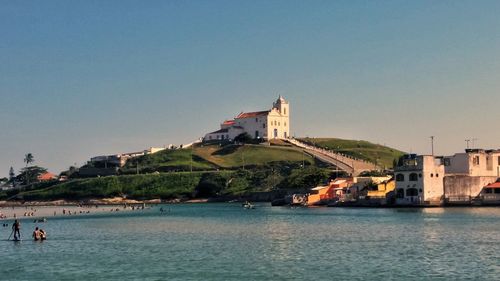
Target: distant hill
point(217, 172)
point(375, 153)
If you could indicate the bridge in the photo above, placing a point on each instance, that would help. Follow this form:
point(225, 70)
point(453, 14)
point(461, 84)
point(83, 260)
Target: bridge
point(343, 162)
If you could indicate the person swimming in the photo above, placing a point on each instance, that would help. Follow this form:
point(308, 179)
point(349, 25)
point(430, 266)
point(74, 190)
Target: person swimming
point(39, 234)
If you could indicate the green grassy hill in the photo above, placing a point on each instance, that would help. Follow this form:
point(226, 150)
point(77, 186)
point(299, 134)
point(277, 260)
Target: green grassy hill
point(267, 167)
point(235, 156)
point(375, 153)
point(212, 157)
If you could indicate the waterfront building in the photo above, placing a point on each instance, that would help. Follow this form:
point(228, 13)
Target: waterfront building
point(467, 173)
point(474, 163)
point(321, 195)
point(267, 124)
point(419, 180)
point(381, 193)
point(490, 194)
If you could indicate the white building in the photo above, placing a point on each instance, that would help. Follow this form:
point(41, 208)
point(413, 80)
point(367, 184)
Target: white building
point(268, 124)
point(419, 181)
point(468, 173)
point(474, 163)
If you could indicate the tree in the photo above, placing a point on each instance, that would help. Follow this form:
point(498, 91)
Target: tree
point(11, 174)
point(211, 184)
point(28, 159)
point(243, 138)
point(30, 174)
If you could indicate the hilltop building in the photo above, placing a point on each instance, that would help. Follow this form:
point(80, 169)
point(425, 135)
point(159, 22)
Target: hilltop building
point(268, 124)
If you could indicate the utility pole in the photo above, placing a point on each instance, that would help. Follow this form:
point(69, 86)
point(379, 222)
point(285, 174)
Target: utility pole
point(432, 145)
point(467, 142)
point(191, 161)
point(303, 160)
point(243, 158)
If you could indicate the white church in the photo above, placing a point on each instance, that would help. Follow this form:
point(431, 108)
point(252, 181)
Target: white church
point(268, 124)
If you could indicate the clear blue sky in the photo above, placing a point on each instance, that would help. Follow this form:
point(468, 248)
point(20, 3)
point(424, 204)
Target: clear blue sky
point(85, 78)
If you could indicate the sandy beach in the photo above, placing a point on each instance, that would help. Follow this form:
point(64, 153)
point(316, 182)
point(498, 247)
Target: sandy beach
point(40, 212)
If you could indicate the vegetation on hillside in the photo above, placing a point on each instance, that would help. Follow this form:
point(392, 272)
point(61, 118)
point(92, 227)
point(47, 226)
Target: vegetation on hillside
point(218, 170)
point(167, 161)
point(181, 185)
point(375, 153)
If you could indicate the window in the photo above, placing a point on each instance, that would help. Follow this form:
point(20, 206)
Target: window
point(264, 126)
point(284, 110)
point(497, 190)
point(498, 160)
point(437, 175)
point(488, 190)
point(420, 175)
point(447, 161)
point(279, 123)
point(256, 120)
point(285, 124)
point(413, 177)
point(475, 160)
point(432, 175)
point(400, 177)
point(412, 192)
point(256, 134)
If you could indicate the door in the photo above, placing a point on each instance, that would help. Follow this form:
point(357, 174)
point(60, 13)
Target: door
point(275, 133)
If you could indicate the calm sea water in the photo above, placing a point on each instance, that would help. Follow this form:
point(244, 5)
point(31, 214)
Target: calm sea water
point(227, 242)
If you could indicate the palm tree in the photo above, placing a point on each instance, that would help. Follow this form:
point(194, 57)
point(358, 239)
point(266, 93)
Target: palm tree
point(28, 159)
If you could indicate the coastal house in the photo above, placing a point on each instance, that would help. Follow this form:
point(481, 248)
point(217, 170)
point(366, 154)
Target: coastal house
point(467, 173)
point(268, 124)
point(490, 194)
point(47, 176)
point(474, 163)
point(382, 189)
point(419, 180)
point(323, 194)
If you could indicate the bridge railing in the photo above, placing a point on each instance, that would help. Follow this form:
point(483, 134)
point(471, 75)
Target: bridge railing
point(346, 159)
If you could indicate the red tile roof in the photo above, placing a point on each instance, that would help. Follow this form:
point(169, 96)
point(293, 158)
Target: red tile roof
point(46, 177)
point(493, 185)
point(252, 114)
point(228, 122)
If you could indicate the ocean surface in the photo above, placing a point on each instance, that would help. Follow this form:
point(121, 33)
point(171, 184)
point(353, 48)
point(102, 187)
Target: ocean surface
point(227, 242)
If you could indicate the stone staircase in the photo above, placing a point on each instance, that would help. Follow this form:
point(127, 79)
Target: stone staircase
point(343, 162)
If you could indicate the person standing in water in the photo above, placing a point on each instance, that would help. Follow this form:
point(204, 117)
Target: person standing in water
point(36, 234)
point(16, 227)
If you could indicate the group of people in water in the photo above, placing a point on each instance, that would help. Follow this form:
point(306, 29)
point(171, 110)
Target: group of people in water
point(38, 234)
